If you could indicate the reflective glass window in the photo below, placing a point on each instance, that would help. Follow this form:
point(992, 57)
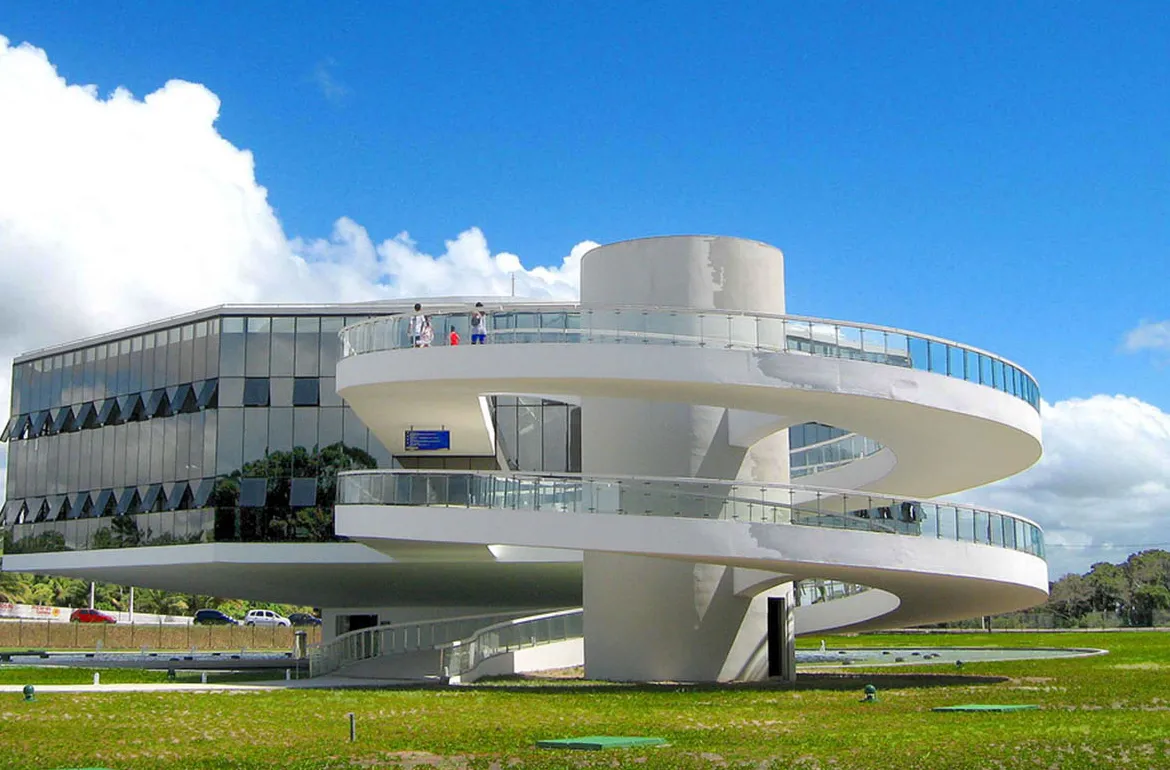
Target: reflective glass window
point(556, 434)
point(183, 400)
point(308, 342)
point(210, 433)
point(303, 493)
point(280, 435)
point(305, 428)
point(229, 451)
point(157, 404)
point(330, 349)
point(179, 497)
point(38, 423)
point(355, 431)
point(132, 408)
point(283, 346)
point(109, 413)
point(329, 428)
point(259, 346)
point(255, 391)
point(253, 492)
point(328, 392)
point(202, 493)
point(129, 502)
point(255, 435)
point(306, 391)
point(231, 347)
point(212, 348)
point(154, 499)
point(281, 391)
point(209, 395)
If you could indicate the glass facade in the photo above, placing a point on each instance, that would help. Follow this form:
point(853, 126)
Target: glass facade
point(225, 428)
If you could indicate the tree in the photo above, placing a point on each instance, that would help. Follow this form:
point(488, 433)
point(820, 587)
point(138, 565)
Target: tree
point(15, 587)
point(1070, 597)
point(1110, 586)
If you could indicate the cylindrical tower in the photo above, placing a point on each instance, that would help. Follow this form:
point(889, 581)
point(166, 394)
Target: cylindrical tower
point(653, 618)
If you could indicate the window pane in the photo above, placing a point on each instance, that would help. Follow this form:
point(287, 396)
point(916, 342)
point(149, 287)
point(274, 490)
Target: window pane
point(230, 444)
point(305, 428)
point(282, 391)
point(307, 347)
point(256, 391)
point(253, 492)
point(283, 346)
point(328, 392)
point(303, 493)
point(255, 434)
point(306, 392)
point(231, 347)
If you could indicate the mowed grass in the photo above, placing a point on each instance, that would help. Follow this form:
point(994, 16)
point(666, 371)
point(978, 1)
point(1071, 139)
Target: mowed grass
point(1107, 711)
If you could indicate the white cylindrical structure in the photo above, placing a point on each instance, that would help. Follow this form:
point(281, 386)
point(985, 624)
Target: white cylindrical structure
point(648, 618)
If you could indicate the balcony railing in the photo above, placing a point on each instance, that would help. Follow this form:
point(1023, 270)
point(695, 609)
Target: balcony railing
point(714, 329)
point(460, 657)
point(691, 498)
point(396, 639)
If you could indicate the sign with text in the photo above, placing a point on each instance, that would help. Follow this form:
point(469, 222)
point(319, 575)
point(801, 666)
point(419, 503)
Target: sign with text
point(427, 440)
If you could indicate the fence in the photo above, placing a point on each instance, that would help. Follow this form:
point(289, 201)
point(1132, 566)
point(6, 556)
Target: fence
point(50, 635)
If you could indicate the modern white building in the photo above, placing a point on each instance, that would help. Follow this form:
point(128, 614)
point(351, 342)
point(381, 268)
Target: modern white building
point(680, 472)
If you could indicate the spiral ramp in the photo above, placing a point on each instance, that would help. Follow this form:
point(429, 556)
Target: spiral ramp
point(689, 531)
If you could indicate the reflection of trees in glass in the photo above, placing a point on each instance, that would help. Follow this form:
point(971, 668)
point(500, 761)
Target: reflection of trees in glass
point(42, 542)
point(279, 520)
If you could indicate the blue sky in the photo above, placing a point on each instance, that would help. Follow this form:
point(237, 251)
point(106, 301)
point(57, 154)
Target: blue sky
point(994, 173)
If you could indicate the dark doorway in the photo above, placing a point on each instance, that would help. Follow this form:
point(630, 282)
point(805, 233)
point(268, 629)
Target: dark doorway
point(778, 661)
point(347, 623)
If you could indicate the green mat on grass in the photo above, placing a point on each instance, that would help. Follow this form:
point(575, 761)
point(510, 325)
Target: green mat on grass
point(599, 742)
point(987, 707)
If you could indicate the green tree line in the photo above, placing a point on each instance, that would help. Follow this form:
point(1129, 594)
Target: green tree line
point(48, 590)
point(1133, 590)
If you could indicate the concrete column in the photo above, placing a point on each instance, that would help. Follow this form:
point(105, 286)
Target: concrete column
point(648, 618)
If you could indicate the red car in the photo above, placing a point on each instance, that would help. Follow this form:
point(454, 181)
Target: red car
point(91, 616)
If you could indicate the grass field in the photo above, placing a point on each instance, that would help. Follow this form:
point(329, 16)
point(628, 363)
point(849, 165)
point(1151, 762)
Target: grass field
point(1108, 711)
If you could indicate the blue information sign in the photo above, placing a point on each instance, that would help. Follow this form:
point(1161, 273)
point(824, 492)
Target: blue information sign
point(427, 440)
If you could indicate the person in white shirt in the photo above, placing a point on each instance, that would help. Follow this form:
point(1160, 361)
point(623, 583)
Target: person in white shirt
point(478, 325)
point(417, 322)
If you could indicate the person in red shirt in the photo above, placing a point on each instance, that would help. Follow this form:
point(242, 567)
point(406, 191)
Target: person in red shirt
point(454, 337)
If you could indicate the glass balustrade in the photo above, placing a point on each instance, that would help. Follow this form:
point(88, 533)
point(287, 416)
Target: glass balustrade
point(711, 329)
point(691, 498)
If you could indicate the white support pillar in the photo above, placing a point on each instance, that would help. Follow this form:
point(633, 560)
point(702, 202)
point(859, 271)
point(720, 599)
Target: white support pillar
point(655, 619)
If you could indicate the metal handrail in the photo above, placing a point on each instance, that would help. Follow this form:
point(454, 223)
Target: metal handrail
point(784, 333)
point(457, 658)
point(692, 498)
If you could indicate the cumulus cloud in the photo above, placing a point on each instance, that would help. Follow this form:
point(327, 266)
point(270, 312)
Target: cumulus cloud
point(1101, 487)
point(116, 210)
point(1148, 335)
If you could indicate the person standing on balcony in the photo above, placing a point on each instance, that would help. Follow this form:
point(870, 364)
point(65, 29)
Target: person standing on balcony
point(428, 333)
point(478, 325)
point(453, 339)
point(417, 322)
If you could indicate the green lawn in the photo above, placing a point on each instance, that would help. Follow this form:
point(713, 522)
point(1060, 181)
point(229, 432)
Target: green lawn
point(1107, 711)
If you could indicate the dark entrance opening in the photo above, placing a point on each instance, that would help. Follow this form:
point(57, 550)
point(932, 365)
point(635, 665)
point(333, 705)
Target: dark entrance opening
point(778, 660)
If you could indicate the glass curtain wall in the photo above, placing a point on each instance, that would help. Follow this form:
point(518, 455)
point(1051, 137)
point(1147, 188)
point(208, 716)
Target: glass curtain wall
point(221, 429)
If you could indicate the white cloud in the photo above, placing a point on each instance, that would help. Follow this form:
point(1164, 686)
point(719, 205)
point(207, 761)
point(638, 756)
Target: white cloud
point(1148, 335)
point(116, 210)
point(1101, 486)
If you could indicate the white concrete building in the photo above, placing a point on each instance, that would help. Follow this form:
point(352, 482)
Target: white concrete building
point(632, 455)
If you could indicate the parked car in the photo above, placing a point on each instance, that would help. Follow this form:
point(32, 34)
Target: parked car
point(91, 616)
point(304, 619)
point(214, 618)
point(265, 618)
